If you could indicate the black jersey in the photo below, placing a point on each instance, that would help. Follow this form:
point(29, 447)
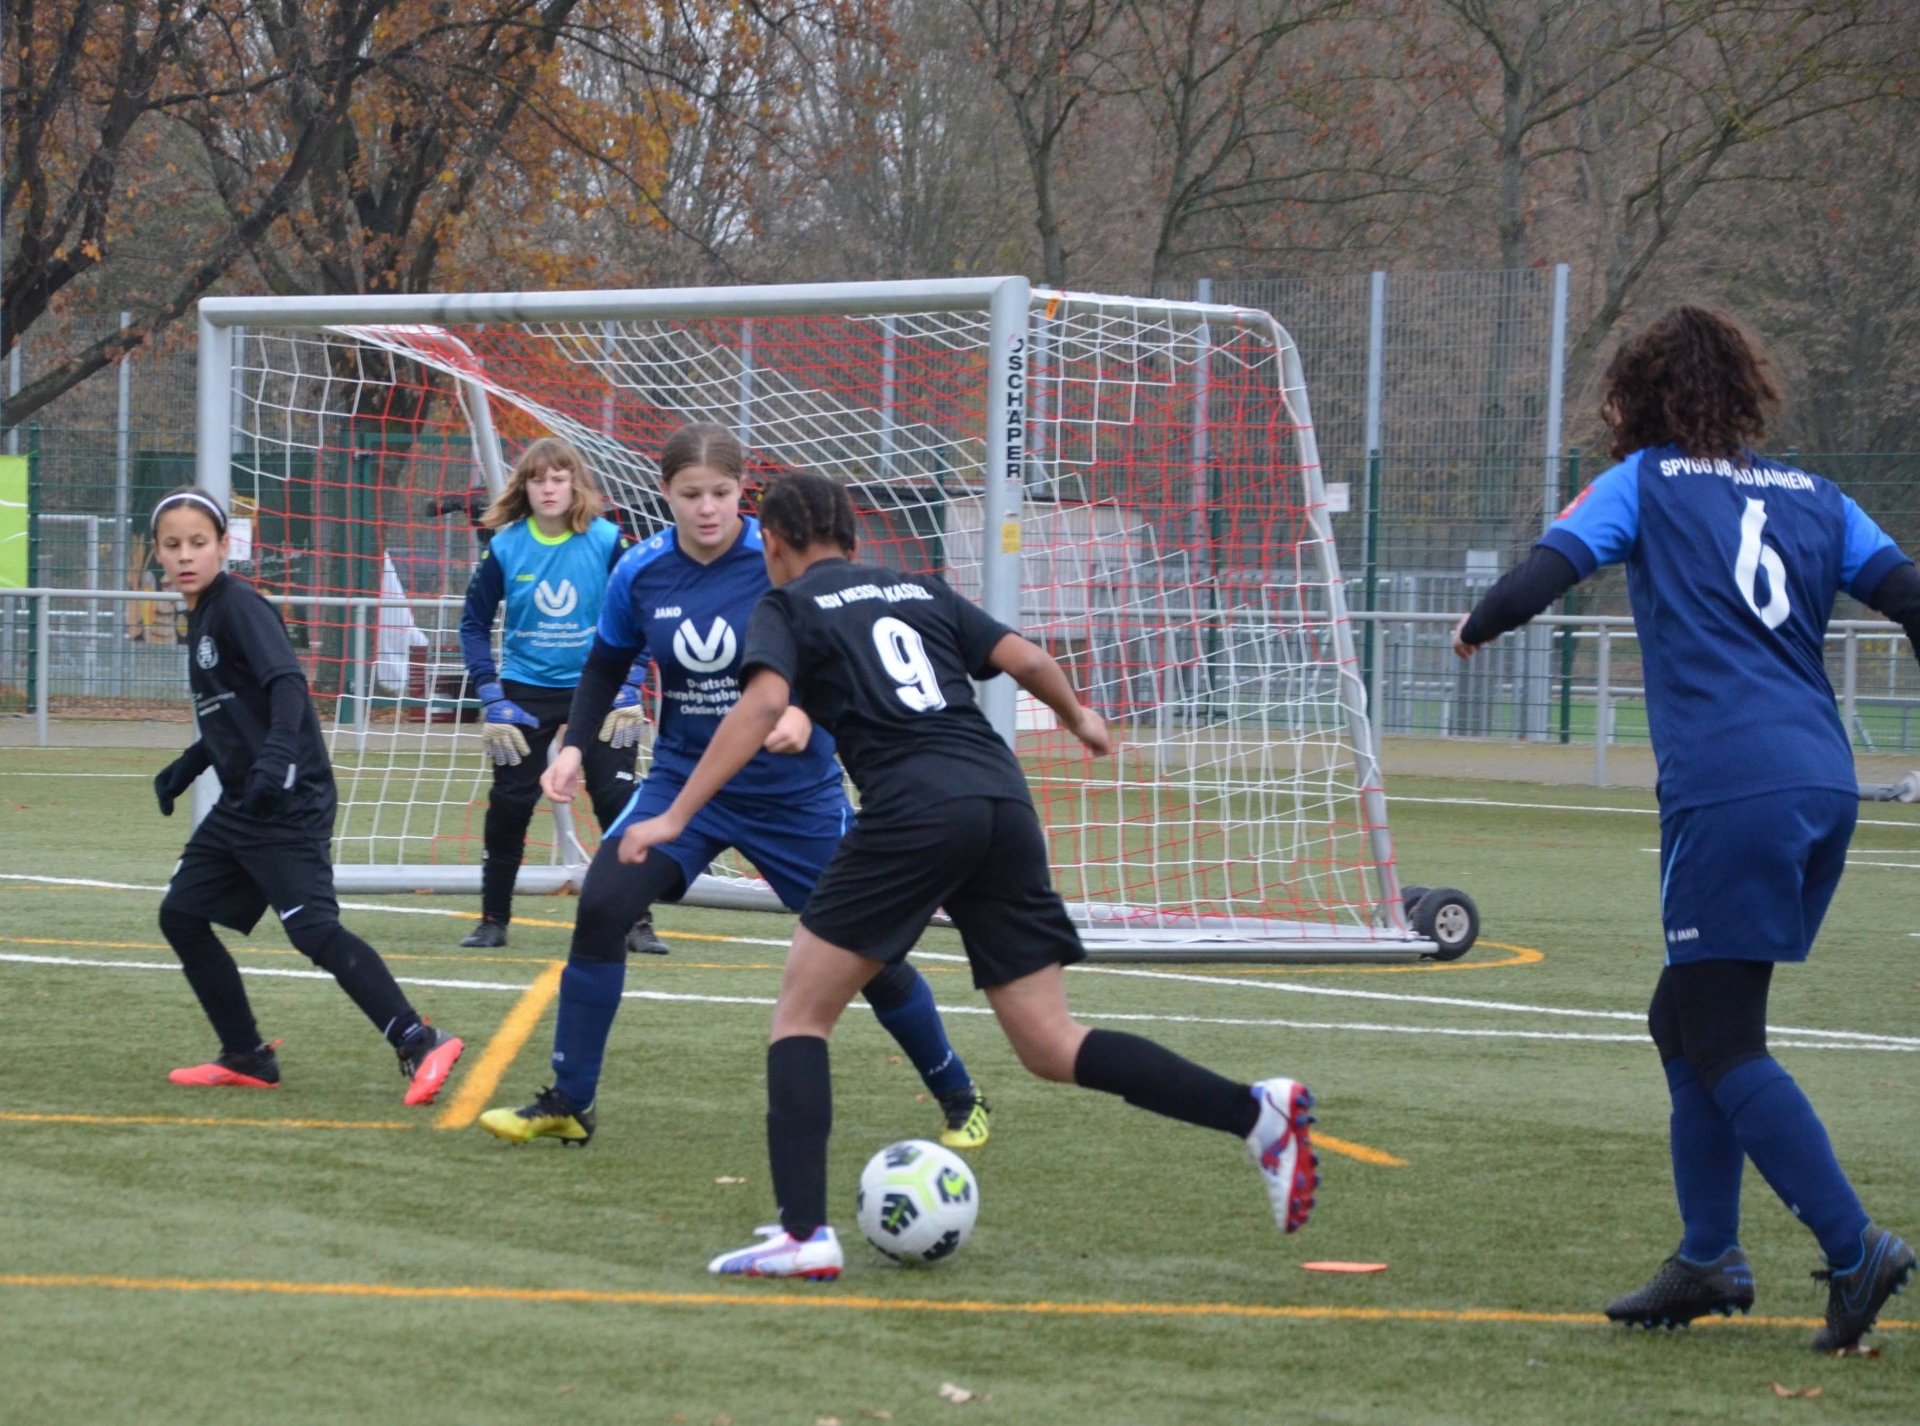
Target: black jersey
point(881, 660)
point(237, 646)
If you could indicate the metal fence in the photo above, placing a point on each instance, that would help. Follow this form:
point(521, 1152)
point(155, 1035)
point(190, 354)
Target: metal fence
point(1434, 397)
point(69, 657)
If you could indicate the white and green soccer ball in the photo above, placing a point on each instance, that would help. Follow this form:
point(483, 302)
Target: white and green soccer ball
point(917, 1201)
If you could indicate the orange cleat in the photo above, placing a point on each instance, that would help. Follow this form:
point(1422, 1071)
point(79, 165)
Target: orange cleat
point(248, 1069)
point(426, 1059)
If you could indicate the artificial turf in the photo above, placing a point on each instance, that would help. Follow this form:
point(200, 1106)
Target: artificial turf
point(1534, 1182)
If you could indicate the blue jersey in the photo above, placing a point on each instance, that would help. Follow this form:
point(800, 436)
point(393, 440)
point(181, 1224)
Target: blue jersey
point(553, 590)
point(692, 619)
point(1732, 571)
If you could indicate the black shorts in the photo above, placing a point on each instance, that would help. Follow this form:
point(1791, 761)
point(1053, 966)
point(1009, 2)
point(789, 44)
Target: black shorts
point(983, 859)
point(236, 866)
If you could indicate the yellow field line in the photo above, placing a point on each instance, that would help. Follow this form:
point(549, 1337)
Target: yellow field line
point(828, 1298)
point(14, 1117)
point(1356, 1151)
point(481, 1081)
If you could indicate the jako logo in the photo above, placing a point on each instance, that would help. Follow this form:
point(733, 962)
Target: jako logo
point(556, 603)
point(708, 655)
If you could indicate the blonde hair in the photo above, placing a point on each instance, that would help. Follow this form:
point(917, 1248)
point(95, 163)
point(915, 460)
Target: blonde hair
point(547, 453)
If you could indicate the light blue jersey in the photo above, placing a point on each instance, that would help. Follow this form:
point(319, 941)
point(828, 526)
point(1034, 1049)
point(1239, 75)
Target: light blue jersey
point(1732, 570)
point(553, 588)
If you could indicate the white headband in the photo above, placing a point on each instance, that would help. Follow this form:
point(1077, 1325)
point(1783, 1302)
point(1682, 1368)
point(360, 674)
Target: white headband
point(179, 496)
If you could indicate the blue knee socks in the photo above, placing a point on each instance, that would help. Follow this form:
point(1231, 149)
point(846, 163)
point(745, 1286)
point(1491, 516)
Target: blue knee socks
point(589, 998)
point(915, 1023)
point(1788, 1144)
point(1707, 1165)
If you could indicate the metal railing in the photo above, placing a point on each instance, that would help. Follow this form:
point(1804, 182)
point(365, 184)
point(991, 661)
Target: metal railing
point(1415, 684)
point(1449, 682)
point(356, 691)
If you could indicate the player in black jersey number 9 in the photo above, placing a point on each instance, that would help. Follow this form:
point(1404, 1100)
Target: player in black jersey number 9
point(883, 661)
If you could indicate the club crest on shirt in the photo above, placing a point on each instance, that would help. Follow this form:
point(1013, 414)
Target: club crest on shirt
point(556, 603)
point(704, 655)
point(205, 654)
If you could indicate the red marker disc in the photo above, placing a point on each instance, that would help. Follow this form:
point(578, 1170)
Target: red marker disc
point(1345, 1267)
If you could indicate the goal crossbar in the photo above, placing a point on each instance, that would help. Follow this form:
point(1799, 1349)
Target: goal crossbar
point(1242, 655)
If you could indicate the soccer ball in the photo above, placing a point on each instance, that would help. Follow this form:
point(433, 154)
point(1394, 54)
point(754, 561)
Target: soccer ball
point(917, 1201)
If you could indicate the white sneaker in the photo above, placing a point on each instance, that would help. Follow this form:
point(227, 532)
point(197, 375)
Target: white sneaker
point(818, 1259)
point(1280, 1146)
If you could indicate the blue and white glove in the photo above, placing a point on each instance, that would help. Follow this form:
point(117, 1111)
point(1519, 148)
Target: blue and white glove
point(621, 727)
point(505, 743)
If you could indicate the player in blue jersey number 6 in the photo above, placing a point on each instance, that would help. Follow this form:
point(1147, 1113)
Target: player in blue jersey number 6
point(1733, 561)
point(885, 661)
point(548, 562)
point(683, 598)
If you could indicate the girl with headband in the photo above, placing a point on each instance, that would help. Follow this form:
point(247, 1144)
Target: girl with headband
point(267, 840)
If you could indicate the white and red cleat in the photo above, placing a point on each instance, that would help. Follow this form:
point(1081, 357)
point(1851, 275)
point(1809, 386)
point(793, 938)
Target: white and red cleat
point(1279, 1144)
point(818, 1259)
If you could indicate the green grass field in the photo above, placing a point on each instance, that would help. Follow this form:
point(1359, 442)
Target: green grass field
point(321, 1253)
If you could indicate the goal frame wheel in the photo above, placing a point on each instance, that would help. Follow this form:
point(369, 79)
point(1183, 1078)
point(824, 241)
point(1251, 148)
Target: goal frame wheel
point(1448, 917)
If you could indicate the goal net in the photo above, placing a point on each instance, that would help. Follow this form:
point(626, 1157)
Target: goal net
point(1131, 483)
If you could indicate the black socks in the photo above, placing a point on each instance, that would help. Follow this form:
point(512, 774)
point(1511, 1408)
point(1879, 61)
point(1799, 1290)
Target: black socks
point(361, 973)
point(215, 979)
point(799, 1121)
point(1149, 1076)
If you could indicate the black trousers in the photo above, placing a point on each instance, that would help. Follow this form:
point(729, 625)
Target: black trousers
point(607, 771)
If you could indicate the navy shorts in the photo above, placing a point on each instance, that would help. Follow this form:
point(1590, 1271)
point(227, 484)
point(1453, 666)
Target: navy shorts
point(1751, 880)
point(790, 846)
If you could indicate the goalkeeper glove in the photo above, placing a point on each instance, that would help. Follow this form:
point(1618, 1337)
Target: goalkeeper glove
point(176, 778)
point(621, 727)
point(505, 743)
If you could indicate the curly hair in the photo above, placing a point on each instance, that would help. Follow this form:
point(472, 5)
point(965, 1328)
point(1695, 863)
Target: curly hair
point(1694, 379)
point(807, 509)
point(547, 453)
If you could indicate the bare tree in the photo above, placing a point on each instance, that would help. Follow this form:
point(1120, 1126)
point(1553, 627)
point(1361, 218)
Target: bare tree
point(1255, 105)
point(110, 74)
point(1044, 55)
point(902, 145)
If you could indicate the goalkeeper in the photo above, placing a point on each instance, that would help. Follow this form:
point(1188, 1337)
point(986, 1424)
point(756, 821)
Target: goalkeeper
point(548, 561)
point(1733, 561)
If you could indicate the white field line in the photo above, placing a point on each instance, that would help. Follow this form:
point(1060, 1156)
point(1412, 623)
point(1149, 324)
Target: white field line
point(9, 772)
point(1888, 1044)
point(1393, 797)
point(1851, 861)
point(1637, 1016)
point(1280, 987)
point(344, 906)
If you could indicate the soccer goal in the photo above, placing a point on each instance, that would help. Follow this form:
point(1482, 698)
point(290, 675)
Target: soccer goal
point(1132, 483)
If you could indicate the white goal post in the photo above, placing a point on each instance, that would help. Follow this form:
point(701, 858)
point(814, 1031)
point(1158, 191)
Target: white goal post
point(1132, 483)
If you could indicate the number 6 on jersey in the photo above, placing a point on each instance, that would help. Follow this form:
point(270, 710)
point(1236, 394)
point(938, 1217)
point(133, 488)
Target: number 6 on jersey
point(905, 659)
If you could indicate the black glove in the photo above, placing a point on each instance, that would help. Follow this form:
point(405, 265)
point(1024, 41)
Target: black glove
point(265, 782)
point(173, 780)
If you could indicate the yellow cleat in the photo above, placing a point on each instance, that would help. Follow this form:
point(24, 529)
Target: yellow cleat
point(551, 1116)
point(967, 1115)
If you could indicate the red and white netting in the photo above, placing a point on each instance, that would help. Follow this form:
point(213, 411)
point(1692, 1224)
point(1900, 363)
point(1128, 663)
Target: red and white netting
point(1169, 555)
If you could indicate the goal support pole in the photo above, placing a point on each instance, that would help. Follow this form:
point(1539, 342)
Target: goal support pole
point(1008, 365)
